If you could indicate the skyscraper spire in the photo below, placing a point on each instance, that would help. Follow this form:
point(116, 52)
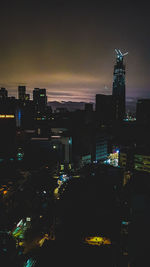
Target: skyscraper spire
point(120, 56)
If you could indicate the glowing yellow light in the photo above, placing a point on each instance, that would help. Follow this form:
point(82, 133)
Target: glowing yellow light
point(69, 166)
point(41, 242)
point(56, 191)
point(21, 243)
point(56, 176)
point(76, 176)
point(10, 116)
point(97, 240)
point(6, 116)
point(5, 192)
point(61, 167)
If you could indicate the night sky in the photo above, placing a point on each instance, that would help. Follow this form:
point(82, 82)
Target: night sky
point(68, 47)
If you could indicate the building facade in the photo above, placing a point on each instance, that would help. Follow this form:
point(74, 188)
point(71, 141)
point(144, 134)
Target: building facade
point(21, 92)
point(40, 99)
point(104, 108)
point(3, 93)
point(143, 111)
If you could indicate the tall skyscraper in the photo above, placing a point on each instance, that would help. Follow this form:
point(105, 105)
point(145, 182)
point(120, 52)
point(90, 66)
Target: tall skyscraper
point(119, 87)
point(40, 98)
point(21, 92)
point(3, 93)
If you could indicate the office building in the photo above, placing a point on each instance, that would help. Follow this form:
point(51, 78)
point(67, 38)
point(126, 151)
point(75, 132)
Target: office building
point(143, 111)
point(86, 159)
point(62, 143)
point(7, 136)
point(126, 158)
point(21, 92)
point(3, 93)
point(89, 114)
point(104, 108)
point(43, 149)
point(142, 162)
point(8, 105)
point(40, 99)
point(137, 158)
point(101, 147)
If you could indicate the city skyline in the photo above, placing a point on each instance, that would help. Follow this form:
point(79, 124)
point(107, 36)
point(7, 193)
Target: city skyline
point(74, 133)
point(69, 48)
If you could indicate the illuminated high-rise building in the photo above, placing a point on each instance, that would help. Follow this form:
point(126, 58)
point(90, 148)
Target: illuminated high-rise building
point(119, 87)
point(21, 92)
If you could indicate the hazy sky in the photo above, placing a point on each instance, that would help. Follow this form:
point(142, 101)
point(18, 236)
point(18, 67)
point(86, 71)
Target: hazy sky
point(68, 47)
